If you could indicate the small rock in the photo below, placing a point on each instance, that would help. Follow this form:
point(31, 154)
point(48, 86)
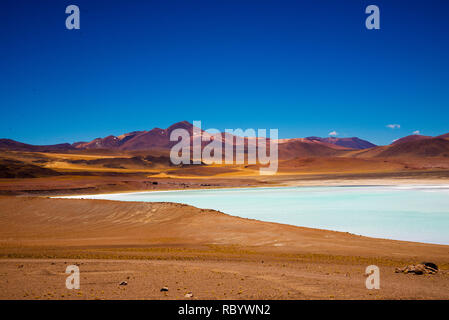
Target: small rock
point(164, 289)
point(123, 283)
point(430, 265)
point(20, 266)
point(189, 295)
point(419, 269)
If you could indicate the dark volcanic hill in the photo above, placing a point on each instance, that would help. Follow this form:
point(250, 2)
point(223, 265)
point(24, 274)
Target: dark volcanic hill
point(353, 143)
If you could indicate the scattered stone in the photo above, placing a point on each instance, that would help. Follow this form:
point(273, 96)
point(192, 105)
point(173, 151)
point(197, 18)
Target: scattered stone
point(164, 289)
point(20, 266)
point(419, 269)
point(189, 295)
point(123, 283)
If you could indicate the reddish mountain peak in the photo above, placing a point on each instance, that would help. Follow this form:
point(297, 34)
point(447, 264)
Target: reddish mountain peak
point(99, 143)
point(137, 140)
point(180, 125)
point(155, 138)
point(155, 130)
point(129, 135)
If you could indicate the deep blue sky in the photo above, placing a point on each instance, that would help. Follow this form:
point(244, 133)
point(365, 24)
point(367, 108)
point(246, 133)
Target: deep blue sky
point(305, 67)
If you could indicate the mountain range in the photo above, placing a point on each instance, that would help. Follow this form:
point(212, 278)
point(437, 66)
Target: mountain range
point(159, 139)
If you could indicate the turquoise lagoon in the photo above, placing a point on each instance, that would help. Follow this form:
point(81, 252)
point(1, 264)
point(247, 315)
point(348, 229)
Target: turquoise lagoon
point(412, 213)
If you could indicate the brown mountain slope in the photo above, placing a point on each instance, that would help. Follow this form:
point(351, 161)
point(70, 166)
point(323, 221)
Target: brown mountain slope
point(435, 147)
point(99, 143)
point(365, 153)
point(10, 168)
point(307, 148)
point(444, 136)
point(353, 143)
point(136, 162)
point(413, 137)
point(8, 144)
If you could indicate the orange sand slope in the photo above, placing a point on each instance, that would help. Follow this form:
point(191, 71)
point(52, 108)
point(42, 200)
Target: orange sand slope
point(213, 255)
point(30, 222)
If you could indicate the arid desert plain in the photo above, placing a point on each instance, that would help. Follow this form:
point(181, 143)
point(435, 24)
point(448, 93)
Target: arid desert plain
point(210, 254)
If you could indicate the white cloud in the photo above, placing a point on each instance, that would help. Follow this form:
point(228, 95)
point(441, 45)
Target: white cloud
point(393, 126)
point(416, 132)
point(333, 133)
